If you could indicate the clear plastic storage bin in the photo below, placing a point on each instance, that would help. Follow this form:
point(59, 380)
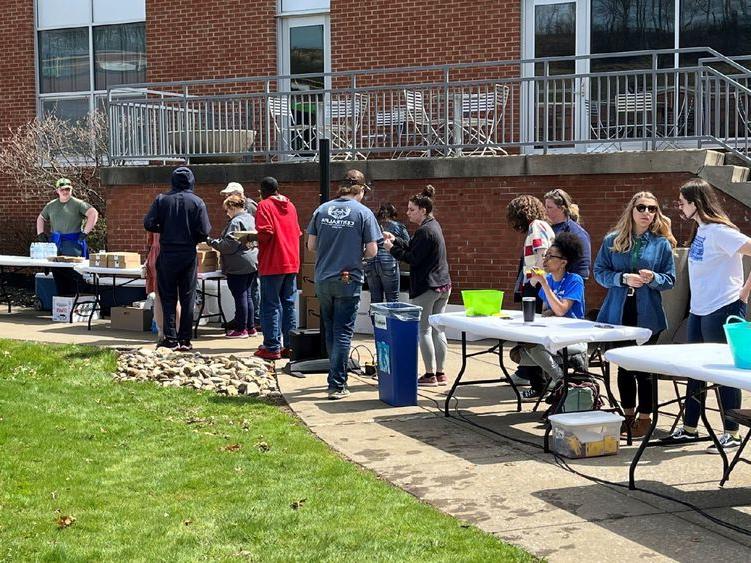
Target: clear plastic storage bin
point(585, 434)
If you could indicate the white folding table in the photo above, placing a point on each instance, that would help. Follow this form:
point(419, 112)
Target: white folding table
point(706, 363)
point(554, 333)
point(11, 264)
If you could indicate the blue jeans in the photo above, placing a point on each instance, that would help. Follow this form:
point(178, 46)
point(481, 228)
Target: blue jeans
point(383, 278)
point(277, 309)
point(339, 302)
point(240, 287)
point(255, 294)
point(708, 328)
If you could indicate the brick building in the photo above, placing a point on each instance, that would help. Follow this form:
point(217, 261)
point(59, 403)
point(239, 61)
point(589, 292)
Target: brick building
point(62, 56)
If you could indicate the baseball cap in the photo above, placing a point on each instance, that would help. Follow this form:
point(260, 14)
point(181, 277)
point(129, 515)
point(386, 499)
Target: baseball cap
point(233, 187)
point(63, 182)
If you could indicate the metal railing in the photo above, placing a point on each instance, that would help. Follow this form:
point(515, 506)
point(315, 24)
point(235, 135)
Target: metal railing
point(647, 100)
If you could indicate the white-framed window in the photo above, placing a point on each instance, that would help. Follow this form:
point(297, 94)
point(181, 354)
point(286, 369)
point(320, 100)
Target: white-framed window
point(85, 47)
point(303, 6)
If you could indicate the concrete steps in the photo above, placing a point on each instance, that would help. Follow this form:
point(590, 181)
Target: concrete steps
point(728, 175)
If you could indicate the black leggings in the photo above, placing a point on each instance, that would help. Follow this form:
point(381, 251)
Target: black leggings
point(628, 379)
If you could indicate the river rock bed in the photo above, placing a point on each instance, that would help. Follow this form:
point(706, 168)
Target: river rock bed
point(226, 375)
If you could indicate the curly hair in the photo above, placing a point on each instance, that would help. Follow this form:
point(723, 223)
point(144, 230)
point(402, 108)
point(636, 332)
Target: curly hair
point(569, 245)
point(522, 210)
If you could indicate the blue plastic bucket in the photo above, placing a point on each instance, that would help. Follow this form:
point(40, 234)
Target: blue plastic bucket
point(738, 335)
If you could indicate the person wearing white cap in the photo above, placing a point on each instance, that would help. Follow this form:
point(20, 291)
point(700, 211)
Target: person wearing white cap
point(250, 206)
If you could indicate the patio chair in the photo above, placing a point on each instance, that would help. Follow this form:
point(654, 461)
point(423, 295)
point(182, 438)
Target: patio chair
point(346, 125)
point(387, 128)
point(482, 120)
point(634, 113)
point(420, 128)
point(292, 138)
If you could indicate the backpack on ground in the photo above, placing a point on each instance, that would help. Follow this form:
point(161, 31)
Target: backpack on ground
point(583, 395)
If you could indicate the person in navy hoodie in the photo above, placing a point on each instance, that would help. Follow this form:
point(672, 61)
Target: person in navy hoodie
point(180, 218)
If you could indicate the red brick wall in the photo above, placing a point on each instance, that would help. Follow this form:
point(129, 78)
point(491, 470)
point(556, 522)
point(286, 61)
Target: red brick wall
point(17, 106)
point(483, 250)
point(210, 39)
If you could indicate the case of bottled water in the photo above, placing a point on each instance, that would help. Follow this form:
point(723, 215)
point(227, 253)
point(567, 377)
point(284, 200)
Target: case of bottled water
point(42, 250)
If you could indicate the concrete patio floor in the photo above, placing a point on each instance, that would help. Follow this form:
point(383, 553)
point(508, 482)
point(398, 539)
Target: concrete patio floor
point(485, 463)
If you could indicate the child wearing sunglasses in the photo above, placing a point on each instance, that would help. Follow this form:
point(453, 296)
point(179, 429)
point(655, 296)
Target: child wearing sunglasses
point(635, 263)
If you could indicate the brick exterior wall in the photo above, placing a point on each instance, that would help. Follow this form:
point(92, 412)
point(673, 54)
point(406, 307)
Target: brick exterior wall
point(17, 106)
point(483, 251)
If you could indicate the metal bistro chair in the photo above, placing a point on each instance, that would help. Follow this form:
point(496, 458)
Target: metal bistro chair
point(420, 128)
point(294, 139)
point(634, 113)
point(346, 124)
point(482, 120)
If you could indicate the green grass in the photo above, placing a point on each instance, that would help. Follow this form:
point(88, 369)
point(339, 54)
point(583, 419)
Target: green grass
point(145, 473)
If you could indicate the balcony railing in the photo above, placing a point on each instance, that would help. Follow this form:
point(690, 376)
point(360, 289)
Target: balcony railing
point(634, 101)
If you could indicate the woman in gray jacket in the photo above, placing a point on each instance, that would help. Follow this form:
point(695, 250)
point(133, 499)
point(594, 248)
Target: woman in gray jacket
point(239, 264)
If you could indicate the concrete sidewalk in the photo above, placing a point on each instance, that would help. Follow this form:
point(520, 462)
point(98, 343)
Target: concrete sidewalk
point(485, 464)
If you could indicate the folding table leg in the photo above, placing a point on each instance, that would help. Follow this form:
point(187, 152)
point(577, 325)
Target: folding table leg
point(4, 287)
point(647, 436)
point(458, 377)
point(506, 374)
point(200, 312)
point(736, 459)
point(710, 431)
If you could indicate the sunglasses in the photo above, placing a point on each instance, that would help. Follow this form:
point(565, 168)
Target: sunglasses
point(641, 208)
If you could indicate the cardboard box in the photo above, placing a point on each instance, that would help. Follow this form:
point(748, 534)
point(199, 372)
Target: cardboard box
point(312, 313)
point(131, 318)
point(208, 260)
point(306, 280)
point(98, 260)
point(123, 260)
point(61, 307)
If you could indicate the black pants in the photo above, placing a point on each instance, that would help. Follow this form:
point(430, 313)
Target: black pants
point(67, 282)
point(629, 381)
point(176, 281)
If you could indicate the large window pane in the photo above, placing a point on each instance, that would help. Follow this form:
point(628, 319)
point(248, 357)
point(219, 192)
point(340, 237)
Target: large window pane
point(119, 55)
point(106, 11)
point(64, 60)
point(69, 109)
point(63, 13)
point(724, 25)
point(306, 56)
point(632, 26)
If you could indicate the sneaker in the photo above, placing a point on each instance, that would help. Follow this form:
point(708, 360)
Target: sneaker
point(286, 352)
point(251, 332)
point(184, 346)
point(727, 442)
point(168, 343)
point(237, 334)
point(519, 381)
point(441, 378)
point(337, 394)
point(531, 395)
point(680, 436)
point(265, 354)
point(427, 380)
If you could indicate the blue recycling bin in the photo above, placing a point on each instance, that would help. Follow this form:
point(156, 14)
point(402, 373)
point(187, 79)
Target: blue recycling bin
point(395, 327)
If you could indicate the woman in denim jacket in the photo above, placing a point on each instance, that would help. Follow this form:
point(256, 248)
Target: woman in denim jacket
point(635, 263)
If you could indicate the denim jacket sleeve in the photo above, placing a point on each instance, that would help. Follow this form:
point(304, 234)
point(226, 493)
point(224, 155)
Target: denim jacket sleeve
point(665, 270)
point(605, 272)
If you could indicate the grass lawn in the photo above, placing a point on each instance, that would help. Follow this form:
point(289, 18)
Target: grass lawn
point(100, 471)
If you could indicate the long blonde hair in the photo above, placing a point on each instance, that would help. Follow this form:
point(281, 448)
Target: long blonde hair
point(660, 225)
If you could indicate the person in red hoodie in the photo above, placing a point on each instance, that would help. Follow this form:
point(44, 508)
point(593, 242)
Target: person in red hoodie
point(278, 263)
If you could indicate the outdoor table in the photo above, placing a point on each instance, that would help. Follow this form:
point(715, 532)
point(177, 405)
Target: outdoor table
point(130, 275)
point(202, 277)
point(554, 333)
point(706, 363)
point(12, 264)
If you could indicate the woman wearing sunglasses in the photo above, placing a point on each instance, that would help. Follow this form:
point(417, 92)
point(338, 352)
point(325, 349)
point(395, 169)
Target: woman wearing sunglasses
point(635, 263)
point(715, 275)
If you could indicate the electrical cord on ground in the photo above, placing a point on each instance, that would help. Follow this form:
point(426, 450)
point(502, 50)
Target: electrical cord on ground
point(563, 464)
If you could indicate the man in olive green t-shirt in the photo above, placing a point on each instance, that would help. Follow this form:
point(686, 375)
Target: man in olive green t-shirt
point(71, 220)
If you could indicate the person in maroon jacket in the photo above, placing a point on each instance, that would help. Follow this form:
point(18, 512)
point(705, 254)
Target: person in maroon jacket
point(278, 263)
